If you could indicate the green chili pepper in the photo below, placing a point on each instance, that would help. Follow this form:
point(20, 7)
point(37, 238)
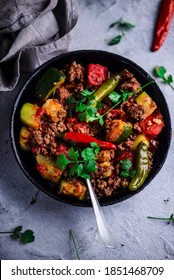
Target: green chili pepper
point(107, 87)
point(142, 166)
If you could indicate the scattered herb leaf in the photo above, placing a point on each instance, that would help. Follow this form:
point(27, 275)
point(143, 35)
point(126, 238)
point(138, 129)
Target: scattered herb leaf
point(74, 243)
point(160, 72)
point(116, 40)
point(122, 26)
point(25, 237)
point(170, 219)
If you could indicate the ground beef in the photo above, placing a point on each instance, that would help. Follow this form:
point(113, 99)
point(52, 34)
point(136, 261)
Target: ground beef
point(76, 72)
point(133, 111)
point(43, 140)
point(126, 145)
point(63, 95)
point(128, 82)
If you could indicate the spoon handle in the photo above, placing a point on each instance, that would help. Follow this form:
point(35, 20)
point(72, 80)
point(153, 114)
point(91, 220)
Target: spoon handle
point(105, 234)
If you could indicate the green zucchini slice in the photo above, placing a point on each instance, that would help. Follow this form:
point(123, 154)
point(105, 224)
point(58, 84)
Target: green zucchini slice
point(48, 83)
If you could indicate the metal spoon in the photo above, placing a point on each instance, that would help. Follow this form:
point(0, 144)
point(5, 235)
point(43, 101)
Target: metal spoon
point(105, 234)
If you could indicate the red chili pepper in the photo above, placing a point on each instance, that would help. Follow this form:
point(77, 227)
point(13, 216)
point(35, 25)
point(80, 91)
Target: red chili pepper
point(163, 23)
point(87, 139)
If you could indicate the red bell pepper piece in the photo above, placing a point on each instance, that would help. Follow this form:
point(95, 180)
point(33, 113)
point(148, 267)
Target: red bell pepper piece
point(152, 125)
point(86, 139)
point(126, 155)
point(62, 149)
point(163, 23)
point(97, 74)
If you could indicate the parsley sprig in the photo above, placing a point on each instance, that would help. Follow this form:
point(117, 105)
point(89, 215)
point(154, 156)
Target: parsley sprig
point(123, 26)
point(125, 165)
point(25, 237)
point(160, 72)
point(82, 162)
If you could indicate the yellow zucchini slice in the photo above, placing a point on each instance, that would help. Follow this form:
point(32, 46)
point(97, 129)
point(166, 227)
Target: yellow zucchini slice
point(24, 138)
point(47, 168)
point(119, 131)
point(73, 188)
point(146, 101)
point(29, 116)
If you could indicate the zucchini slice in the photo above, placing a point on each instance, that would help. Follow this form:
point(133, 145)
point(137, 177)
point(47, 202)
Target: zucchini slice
point(24, 138)
point(47, 168)
point(73, 188)
point(119, 131)
point(146, 101)
point(29, 115)
point(48, 83)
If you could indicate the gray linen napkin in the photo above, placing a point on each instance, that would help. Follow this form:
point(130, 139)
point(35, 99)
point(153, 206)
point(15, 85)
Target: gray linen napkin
point(32, 32)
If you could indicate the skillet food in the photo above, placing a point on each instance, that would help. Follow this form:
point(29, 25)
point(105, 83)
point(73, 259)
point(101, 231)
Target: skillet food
point(89, 123)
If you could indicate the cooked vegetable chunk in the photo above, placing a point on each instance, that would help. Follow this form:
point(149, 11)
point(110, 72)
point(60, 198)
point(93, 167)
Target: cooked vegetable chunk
point(119, 131)
point(48, 83)
point(146, 101)
point(30, 116)
point(106, 169)
point(47, 168)
point(54, 109)
point(24, 138)
point(73, 188)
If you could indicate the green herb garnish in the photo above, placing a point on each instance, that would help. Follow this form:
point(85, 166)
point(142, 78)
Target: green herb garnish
point(74, 243)
point(125, 165)
point(122, 26)
point(160, 71)
point(170, 219)
point(83, 162)
point(25, 237)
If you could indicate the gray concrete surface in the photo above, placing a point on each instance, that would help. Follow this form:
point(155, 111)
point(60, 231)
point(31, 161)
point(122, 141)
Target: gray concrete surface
point(138, 237)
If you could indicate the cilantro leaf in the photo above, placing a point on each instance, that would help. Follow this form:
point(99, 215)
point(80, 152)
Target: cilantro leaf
point(27, 236)
point(124, 174)
point(87, 154)
point(125, 164)
point(132, 173)
point(125, 96)
point(90, 166)
point(75, 170)
point(71, 100)
point(95, 146)
point(160, 72)
point(16, 232)
point(114, 96)
point(82, 116)
point(74, 155)
point(116, 40)
point(80, 107)
point(101, 120)
point(169, 79)
point(62, 162)
point(86, 92)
